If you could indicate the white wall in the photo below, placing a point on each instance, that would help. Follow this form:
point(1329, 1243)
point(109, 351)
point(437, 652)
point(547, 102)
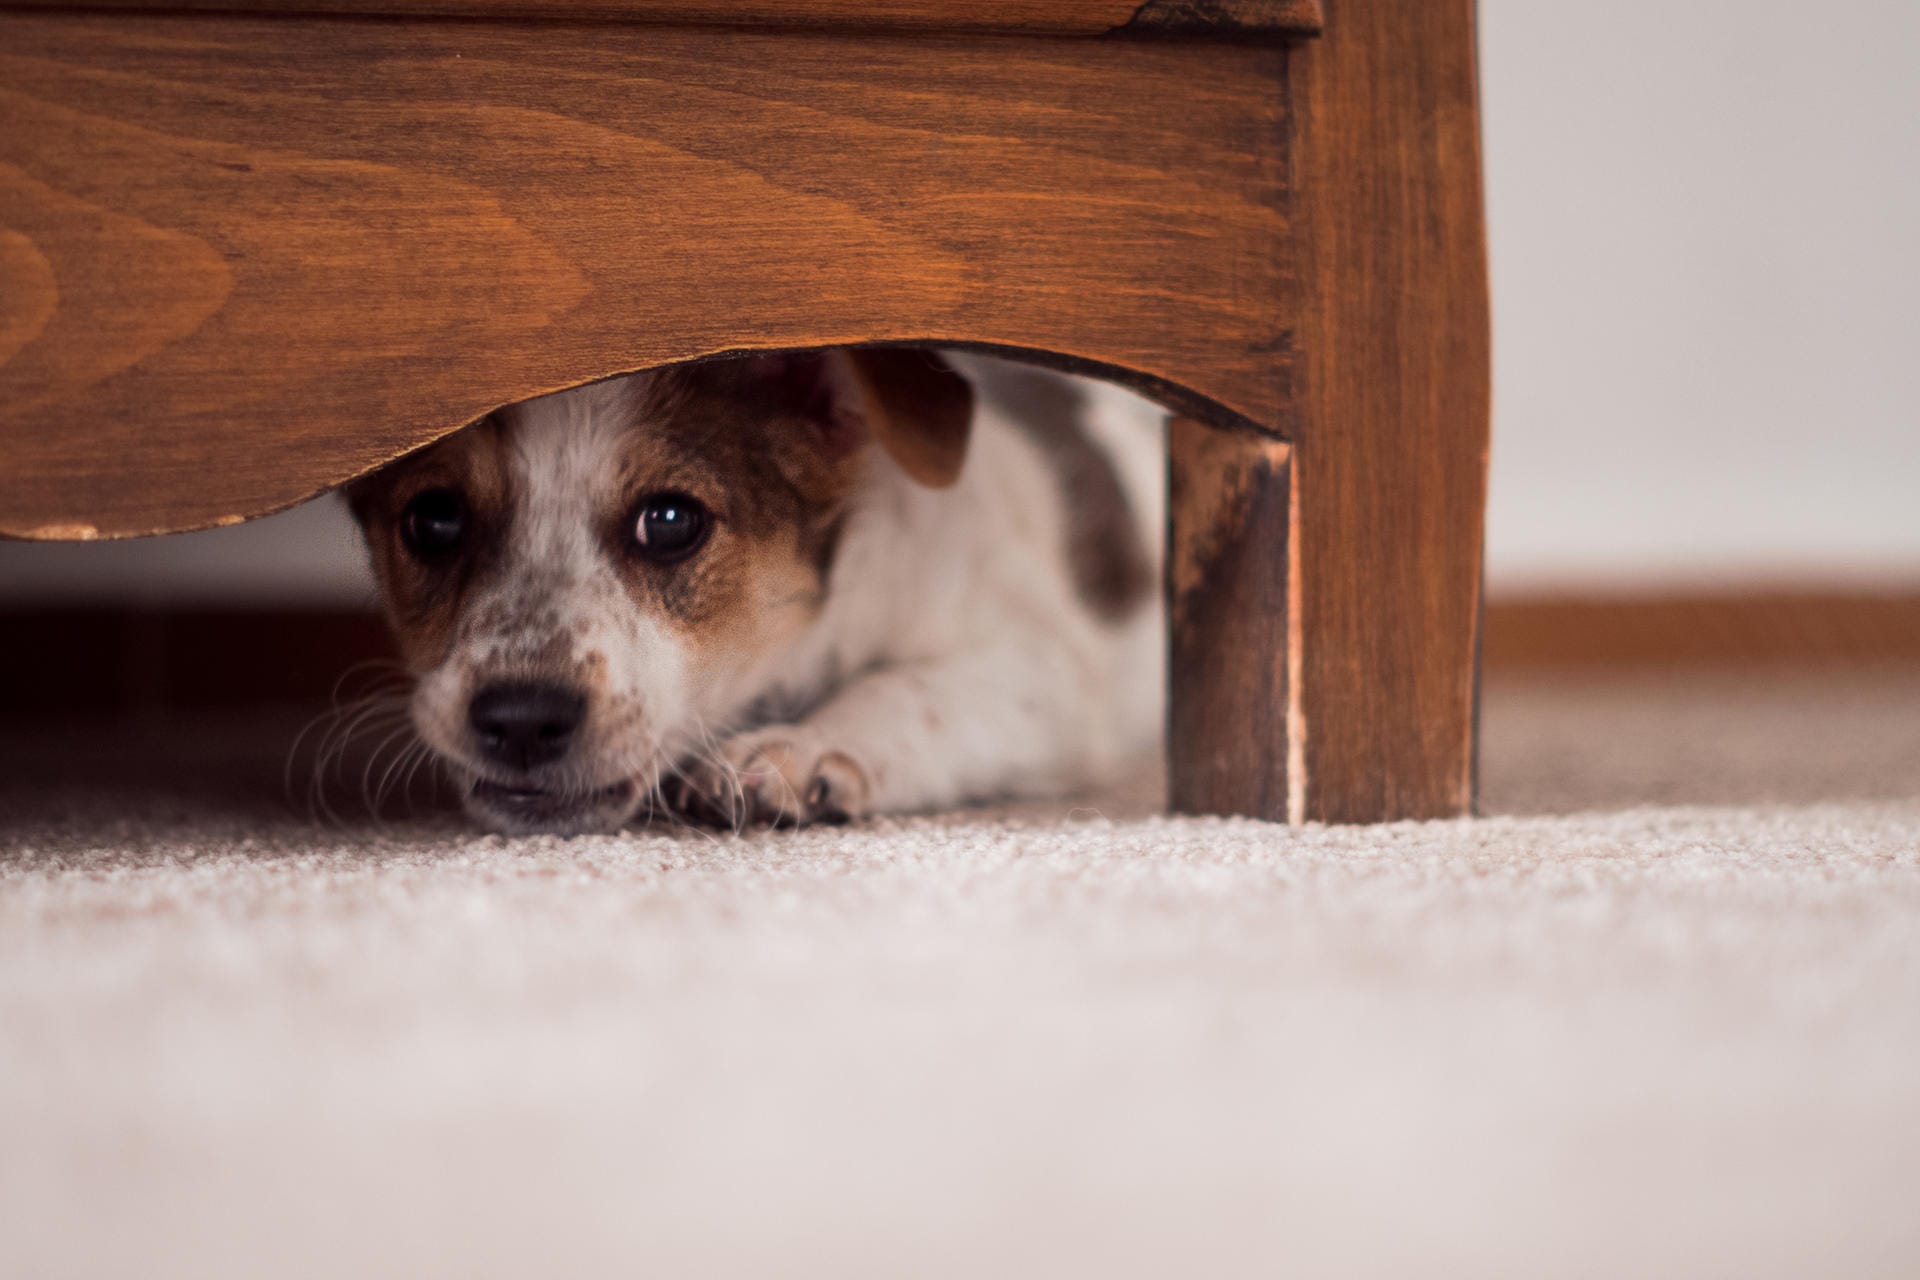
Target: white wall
point(311, 554)
point(1705, 220)
point(1705, 227)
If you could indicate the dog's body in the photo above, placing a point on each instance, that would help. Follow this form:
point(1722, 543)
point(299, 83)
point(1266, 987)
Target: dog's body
point(862, 624)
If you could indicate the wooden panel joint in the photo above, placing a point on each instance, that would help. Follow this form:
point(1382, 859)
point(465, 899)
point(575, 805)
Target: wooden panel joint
point(1255, 18)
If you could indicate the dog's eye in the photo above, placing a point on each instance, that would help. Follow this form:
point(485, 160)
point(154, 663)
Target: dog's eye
point(668, 527)
point(433, 523)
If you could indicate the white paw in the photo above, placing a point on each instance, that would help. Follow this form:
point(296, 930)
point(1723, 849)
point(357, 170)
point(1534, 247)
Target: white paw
point(783, 776)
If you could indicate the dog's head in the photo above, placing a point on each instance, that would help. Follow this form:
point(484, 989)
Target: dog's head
point(587, 584)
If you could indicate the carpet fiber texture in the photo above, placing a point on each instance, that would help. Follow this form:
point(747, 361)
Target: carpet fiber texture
point(1657, 1015)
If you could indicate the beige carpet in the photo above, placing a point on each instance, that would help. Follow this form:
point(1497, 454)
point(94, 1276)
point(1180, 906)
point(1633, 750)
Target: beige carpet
point(1660, 1016)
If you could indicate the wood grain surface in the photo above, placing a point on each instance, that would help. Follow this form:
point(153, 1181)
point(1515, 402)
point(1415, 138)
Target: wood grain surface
point(1391, 405)
point(247, 258)
point(1238, 18)
point(1235, 733)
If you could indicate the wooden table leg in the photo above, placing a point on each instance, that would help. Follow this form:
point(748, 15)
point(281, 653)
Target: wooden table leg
point(1326, 591)
point(1234, 719)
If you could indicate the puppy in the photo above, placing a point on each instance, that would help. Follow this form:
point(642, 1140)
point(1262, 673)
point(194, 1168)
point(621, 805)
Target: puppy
point(779, 589)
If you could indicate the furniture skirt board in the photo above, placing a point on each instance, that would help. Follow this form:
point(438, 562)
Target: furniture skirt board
point(249, 258)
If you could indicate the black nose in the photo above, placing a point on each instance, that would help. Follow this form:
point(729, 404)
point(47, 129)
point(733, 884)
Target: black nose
point(521, 724)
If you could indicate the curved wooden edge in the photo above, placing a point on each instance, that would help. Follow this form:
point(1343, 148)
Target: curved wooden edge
point(243, 260)
point(1161, 18)
point(1179, 400)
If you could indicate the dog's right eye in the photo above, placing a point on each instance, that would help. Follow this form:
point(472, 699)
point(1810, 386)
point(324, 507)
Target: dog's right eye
point(434, 523)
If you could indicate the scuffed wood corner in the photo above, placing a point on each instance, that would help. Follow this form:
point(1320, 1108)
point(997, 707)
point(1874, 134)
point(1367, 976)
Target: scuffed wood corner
point(1236, 723)
point(63, 533)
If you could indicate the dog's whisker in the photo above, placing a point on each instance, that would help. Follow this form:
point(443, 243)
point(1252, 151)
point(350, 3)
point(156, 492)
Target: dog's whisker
point(417, 754)
point(411, 757)
point(373, 762)
point(332, 720)
point(793, 803)
point(424, 761)
point(367, 723)
point(669, 767)
point(695, 762)
point(736, 791)
point(325, 722)
point(389, 666)
point(387, 776)
point(340, 726)
point(710, 756)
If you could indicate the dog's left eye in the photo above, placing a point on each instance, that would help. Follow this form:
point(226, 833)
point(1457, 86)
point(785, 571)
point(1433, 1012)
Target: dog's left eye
point(669, 527)
point(434, 523)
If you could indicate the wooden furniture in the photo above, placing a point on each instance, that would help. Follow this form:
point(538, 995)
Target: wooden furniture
point(246, 255)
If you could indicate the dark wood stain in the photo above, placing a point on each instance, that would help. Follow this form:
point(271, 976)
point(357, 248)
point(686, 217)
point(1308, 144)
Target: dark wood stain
point(1226, 17)
point(1230, 539)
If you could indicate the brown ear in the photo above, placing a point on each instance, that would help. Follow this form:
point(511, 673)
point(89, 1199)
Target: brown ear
point(914, 405)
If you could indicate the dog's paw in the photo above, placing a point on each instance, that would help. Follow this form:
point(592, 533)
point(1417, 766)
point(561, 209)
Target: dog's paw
point(782, 776)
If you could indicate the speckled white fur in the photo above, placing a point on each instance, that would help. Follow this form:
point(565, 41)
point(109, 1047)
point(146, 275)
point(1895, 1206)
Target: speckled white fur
point(556, 579)
point(952, 660)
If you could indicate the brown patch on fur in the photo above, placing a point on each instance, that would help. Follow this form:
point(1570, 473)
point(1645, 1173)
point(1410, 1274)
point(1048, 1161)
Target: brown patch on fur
point(919, 410)
point(776, 491)
point(1109, 562)
point(422, 601)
